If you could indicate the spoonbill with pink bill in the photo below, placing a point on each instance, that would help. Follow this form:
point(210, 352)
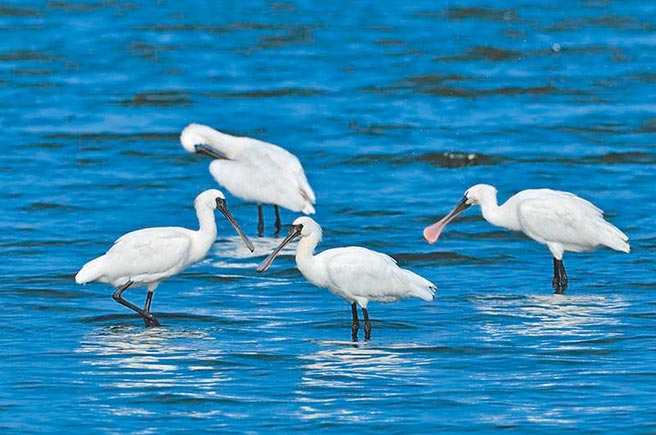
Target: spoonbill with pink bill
point(356, 274)
point(253, 170)
point(560, 220)
point(150, 255)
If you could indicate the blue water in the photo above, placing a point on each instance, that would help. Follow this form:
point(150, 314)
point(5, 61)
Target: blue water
point(394, 108)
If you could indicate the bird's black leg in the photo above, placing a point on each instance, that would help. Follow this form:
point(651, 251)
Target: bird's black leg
point(275, 207)
point(356, 324)
point(260, 221)
point(563, 276)
point(149, 319)
point(118, 298)
point(367, 324)
point(560, 277)
point(146, 316)
point(555, 282)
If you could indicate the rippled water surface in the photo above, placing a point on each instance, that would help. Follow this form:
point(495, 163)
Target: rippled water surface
point(394, 108)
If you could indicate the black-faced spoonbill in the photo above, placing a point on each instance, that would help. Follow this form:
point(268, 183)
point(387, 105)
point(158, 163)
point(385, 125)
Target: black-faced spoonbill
point(560, 220)
point(253, 170)
point(356, 274)
point(150, 255)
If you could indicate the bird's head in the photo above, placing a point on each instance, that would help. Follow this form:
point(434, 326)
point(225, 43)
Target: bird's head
point(302, 227)
point(305, 226)
point(211, 198)
point(196, 138)
point(479, 193)
point(475, 195)
point(214, 199)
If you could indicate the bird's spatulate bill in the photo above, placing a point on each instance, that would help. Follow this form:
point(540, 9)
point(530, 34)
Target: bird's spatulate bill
point(294, 231)
point(223, 209)
point(211, 152)
point(433, 232)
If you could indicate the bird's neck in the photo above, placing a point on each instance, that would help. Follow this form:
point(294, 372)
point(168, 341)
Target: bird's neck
point(226, 144)
point(206, 234)
point(305, 253)
point(499, 215)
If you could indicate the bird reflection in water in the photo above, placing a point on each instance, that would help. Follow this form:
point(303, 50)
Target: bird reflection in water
point(141, 360)
point(577, 316)
point(357, 373)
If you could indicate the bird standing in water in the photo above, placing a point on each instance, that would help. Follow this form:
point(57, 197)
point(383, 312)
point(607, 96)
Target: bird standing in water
point(253, 170)
point(356, 274)
point(151, 255)
point(560, 220)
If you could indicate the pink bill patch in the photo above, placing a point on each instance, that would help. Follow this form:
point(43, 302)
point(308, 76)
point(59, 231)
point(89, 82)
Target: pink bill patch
point(432, 233)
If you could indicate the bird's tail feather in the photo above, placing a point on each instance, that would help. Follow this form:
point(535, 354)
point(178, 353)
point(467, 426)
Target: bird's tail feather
point(420, 287)
point(616, 239)
point(308, 209)
point(90, 271)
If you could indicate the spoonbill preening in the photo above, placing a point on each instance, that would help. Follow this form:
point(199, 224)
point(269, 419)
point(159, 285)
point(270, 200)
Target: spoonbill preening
point(560, 220)
point(356, 274)
point(150, 255)
point(253, 170)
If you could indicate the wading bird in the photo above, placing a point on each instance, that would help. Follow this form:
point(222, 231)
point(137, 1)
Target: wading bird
point(151, 255)
point(560, 220)
point(253, 170)
point(356, 274)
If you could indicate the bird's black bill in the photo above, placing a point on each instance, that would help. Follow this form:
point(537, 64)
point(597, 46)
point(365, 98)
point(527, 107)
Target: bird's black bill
point(459, 208)
point(209, 151)
point(223, 208)
point(294, 231)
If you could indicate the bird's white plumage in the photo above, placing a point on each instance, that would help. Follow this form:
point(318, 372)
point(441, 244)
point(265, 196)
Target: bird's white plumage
point(143, 256)
point(566, 222)
point(150, 255)
point(362, 275)
point(560, 220)
point(254, 170)
point(354, 273)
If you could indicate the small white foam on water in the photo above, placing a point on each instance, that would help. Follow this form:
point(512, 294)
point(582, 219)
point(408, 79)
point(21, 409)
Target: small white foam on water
point(233, 247)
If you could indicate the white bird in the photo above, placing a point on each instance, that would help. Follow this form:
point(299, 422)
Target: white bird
point(356, 274)
point(253, 170)
point(560, 220)
point(151, 255)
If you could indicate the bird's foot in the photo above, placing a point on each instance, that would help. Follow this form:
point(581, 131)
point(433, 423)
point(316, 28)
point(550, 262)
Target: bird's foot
point(151, 321)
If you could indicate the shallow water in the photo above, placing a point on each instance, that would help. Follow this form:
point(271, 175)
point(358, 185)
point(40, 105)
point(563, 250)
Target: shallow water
point(394, 110)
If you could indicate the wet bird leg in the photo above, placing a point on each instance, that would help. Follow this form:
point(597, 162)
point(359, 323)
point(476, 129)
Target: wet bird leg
point(260, 221)
point(275, 207)
point(367, 324)
point(148, 318)
point(356, 324)
point(563, 276)
point(559, 281)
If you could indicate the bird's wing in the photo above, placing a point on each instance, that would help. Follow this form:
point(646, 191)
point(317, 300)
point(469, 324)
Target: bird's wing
point(361, 272)
point(571, 200)
point(151, 250)
point(562, 218)
point(266, 155)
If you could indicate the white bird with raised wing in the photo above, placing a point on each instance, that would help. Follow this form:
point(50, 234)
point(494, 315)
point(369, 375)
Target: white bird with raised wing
point(560, 220)
point(150, 255)
point(253, 170)
point(356, 274)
